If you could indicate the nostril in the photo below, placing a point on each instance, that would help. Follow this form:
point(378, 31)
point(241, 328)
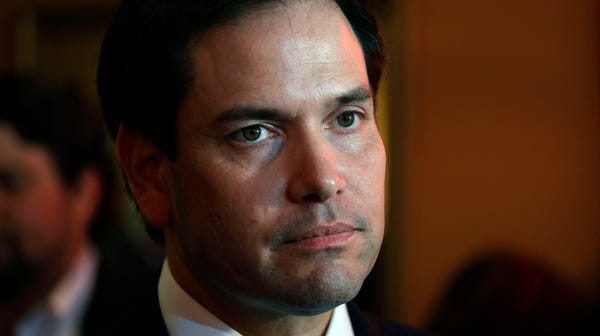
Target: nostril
point(312, 198)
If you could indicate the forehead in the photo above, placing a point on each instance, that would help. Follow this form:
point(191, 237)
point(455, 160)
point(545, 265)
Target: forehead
point(298, 50)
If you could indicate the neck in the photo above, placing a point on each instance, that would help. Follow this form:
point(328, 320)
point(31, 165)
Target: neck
point(246, 318)
point(290, 325)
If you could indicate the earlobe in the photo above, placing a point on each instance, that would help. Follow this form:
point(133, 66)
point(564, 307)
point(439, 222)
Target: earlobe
point(143, 164)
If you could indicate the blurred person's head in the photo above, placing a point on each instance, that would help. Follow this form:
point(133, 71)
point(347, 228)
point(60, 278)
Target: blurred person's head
point(506, 293)
point(57, 186)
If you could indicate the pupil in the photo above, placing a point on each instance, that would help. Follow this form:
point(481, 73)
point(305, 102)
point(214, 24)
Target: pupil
point(252, 133)
point(346, 119)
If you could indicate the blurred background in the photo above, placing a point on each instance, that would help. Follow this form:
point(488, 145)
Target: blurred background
point(490, 113)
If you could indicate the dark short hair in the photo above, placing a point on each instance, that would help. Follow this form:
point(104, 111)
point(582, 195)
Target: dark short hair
point(144, 70)
point(57, 118)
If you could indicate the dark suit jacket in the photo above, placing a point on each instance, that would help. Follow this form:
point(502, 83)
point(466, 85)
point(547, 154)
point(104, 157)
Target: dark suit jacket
point(125, 299)
point(365, 324)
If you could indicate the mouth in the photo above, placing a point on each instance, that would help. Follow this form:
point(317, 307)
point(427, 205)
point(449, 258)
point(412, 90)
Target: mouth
point(322, 237)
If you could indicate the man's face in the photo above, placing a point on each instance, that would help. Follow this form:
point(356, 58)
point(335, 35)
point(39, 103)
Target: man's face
point(277, 194)
point(35, 230)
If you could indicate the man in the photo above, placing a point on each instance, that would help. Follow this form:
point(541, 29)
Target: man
point(62, 271)
point(246, 131)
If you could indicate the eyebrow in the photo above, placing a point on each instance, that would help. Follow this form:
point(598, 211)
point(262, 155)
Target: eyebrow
point(359, 94)
point(244, 113)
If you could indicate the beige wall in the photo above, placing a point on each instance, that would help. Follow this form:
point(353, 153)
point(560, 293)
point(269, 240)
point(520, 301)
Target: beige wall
point(495, 139)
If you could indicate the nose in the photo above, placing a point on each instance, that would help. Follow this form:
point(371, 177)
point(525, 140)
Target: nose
point(316, 171)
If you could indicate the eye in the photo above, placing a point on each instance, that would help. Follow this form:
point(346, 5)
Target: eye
point(252, 134)
point(347, 119)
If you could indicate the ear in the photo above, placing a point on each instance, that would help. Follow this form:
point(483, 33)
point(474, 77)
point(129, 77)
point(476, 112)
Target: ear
point(87, 193)
point(144, 166)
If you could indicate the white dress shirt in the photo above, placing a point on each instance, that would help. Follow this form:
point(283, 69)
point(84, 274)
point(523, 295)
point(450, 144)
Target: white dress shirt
point(186, 317)
point(61, 312)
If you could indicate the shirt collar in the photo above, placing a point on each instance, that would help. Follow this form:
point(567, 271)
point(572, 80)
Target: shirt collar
point(74, 289)
point(340, 323)
point(186, 317)
point(60, 312)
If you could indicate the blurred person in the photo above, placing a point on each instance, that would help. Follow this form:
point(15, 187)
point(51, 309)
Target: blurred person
point(64, 268)
point(502, 293)
point(247, 134)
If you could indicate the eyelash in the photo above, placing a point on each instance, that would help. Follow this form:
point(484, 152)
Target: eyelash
point(238, 136)
point(269, 131)
point(359, 117)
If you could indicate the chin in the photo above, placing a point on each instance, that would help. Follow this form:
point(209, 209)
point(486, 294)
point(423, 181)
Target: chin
point(321, 293)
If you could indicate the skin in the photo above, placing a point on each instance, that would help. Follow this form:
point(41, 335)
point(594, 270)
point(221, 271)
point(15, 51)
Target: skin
point(273, 211)
point(43, 222)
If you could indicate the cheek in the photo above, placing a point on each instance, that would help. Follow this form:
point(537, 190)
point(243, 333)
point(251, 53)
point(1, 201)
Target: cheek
point(368, 171)
point(230, 207)
point(46, 208)
point(41, 222)
point(368, 176)
point(249, 209)
point(226, 225)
